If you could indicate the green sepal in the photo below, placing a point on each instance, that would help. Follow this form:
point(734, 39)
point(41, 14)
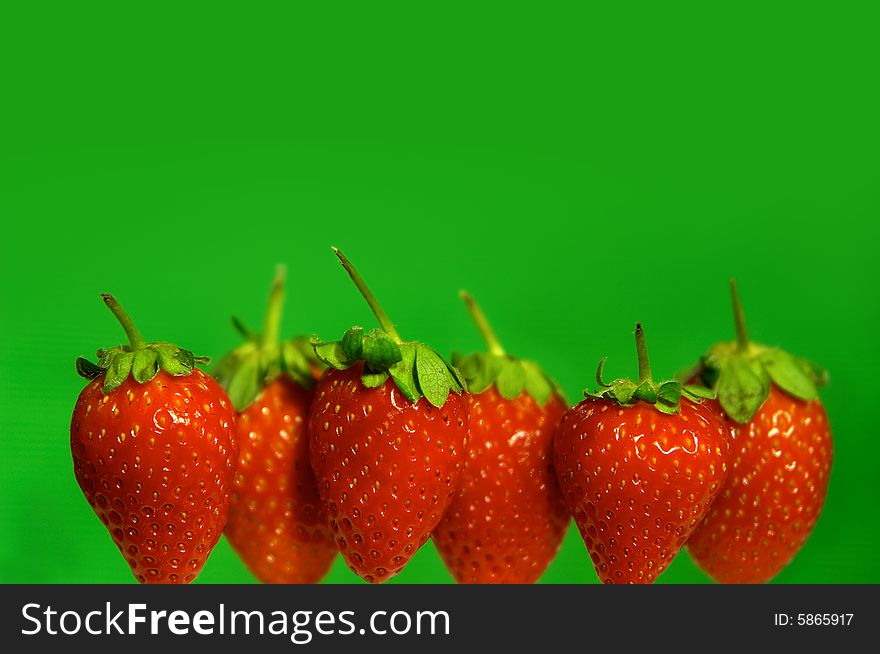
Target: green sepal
point(510, 375)
point(416, 369)
point(374, 379)
point(173, 364)
point(539, 385)
point(248, 369)
point(696, 393)
point(143, 363)
point(742, 377)
point(404, 372)
point(332, 354)
point(352, 343)
point(298, 360)
point(87, 369)
point(511, 380)
point(785, 372)
point(379, 351)
point(743, 386)
point(118, 370)
point(646, 392)
point(432, 375)
point(242, 382)
point(665, 396)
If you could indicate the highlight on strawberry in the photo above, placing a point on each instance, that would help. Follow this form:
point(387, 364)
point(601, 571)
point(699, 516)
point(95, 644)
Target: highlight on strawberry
point(275, 524)
point(388, 434)
point(154, 448)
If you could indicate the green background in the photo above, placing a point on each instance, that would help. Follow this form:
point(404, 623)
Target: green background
point(576, 169)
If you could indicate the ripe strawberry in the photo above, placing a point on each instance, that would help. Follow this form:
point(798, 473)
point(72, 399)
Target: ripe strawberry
point(275, 520)
point(154, 449)
point(639, 464)
point(782, 455)
point(388, 436)
point(508, 519)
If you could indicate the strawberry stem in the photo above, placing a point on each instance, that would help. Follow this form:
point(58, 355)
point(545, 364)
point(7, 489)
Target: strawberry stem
point(742, 335)
point(136, 341)
point(381, 316)
point(642, 352)
point(243, 329)
point(272, 322)
point(483, 325)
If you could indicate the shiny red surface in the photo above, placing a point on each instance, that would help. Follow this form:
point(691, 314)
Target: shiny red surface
point(774, 493)
point(508, 519)
point(386, 468)
point(638, 481)
point(275, 519)
point(155, 461)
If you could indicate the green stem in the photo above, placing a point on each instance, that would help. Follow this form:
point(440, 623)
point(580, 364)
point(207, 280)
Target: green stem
point(483, 325)
point(242, 329)
point(381, 316)
point(134, 336)
point(272, 322)
point(742, 335)
point(642, 351)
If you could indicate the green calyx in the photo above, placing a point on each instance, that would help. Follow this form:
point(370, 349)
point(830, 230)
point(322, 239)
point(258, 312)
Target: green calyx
point(416, 369)
point(510, 375)
point(741, 371)
point(666, 396)
point(249, 368)
point(139, 359)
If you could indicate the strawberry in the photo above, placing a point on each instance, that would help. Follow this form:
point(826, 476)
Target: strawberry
point(275, 520)
point(388, 435)
point(639, 464)
point(154, 450)
point(782, 455)
point(508, 519)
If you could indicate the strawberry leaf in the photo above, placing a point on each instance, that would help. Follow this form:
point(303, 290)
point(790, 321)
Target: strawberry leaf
point(697, 393)
point(741, 377)
point(352, 343)
point(511, 376)
point(332, 354)
point(646, 392)
point(742, 388)
point(140, 359)
point(788, 375)
point(244, 384)
point(298, 361)
point(87, 369)
point(432, 375)
point(117, 371)
point(537, 384)
point(511, 380)
point(665, 396)
point(145, 365)
point(416, 369)
point(742, 371)
point(403, 372)
point(669, 392)
point(374, 379)
point(379, 351)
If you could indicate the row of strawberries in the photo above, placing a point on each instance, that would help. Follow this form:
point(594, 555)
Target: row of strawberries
point(370, 445)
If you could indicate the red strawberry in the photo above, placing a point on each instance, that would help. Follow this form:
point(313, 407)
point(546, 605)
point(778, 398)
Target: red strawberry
point(508, 519)
point(154, 450)
point(639, 464)
point(388, 435)
point(275, 520)
point(782, 455)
